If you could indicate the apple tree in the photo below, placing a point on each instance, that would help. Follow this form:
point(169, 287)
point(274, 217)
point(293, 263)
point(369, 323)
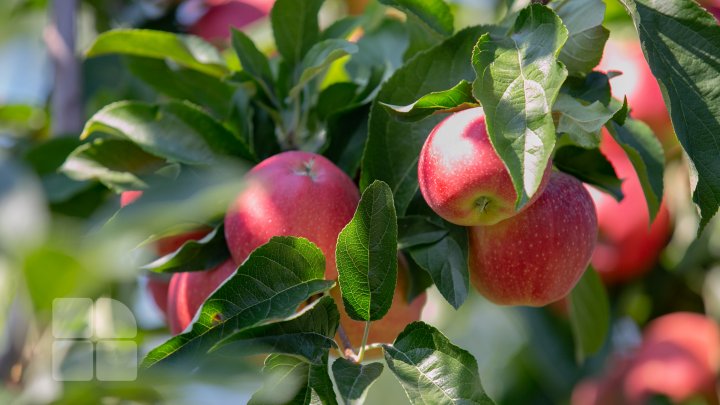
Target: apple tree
point(296, 184)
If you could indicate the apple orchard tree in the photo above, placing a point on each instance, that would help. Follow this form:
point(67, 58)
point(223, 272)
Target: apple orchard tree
point(292, 194)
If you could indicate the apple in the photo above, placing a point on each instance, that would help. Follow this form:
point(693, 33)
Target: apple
point(628, 245)
point(537, 256)
point(292, 194)
point(189, 290)
point(217, 17)
point(385, 330)
point(461, 176)
point(637, 83)
point(679, 358)
point(157, 284)
point(356, 7)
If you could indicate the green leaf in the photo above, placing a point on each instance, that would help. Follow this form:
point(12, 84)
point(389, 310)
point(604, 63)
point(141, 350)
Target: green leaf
point(353, 379)
point(518, 79)
point(347, 132)
point(290, 380)
point(581, 123)
point(446, 263)
point(119, 164)
point(647, 157)
point(432, 370)
point(295, 26)
point(586, 35)
point(185, 50)
point(681, 42)
point(335, 98)
point(435, 14)
point(194, 255)
point(589, 314)
point(183, 84)
point(308, 335)
point(457, 98)
point(416, 230)
point(276, 278)
point(590, 166)
point(176, 131)
point(366, 255)
point(254, 62)
point(341, 28)
point(380, 48)
point(319, 58)
point(393, 147)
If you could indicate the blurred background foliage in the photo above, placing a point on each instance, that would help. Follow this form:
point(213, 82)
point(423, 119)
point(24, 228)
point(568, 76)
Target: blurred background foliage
point(55, 241)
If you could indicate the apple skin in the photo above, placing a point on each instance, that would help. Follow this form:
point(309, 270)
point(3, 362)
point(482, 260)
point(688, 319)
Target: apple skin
point(679, 358)
point(637, 83)
point(628, 245)
point(461, 176)
point(222, 15)
point(387, 329)
point(292, 194)
point(537, 256)
point(189, 290)
point(158, 287)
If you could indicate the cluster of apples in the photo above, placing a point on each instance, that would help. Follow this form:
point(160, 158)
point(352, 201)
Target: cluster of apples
point(679, 358)
point(531, 257)
point(293, 193)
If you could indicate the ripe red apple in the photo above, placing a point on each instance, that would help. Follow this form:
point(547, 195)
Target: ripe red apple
point(292, 194)
point(637, 83)
point(158, 286)
point(385, 330)
point(679, 358)
point(220, 16)
point(628, 245)
point(189, 290)
point(537, 256)
point(461, 176)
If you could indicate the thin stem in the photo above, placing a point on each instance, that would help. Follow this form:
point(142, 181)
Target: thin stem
point(66, 99)
point(364, 341)
point(344, 339)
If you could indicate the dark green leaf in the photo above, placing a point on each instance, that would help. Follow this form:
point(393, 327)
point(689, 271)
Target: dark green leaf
point(518, 79)
point(432, 370)
point(593, 87)
point(194, 255)
point(336, 97)
point(308, 335)
point(647, 157)
point(353, 379)
point(419, 280)
point(416, 230)
point(347, 132)
point(176, 131)
point(393, 147)
point(589, 314)
point(590, 166)
point(586, 35)
point(254, 62)
point(681, 42)
point(341, 28)
point(381, 47)
point(295, 26)
point(366, 255)
point(457, 98)
point(184, 84)
point(276, 278)
point(118, 164)
point(291, 381)
point(185, 50)
point(319, 58)
point(420, 36)
point(447, 265)
point(435, 14)
point(580, 122)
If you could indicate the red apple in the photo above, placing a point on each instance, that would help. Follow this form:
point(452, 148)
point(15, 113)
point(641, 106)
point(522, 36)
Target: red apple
point(637, 83)
point(461, 176)
point(537, 256)
point(189, 290)
point(628, 245)
point(220, 16)
point(128, 197)
point(292, 194)
point(385, 330)
point(158, 286)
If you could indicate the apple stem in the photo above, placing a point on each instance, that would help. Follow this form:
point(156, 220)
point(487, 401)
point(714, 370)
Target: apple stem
point(364, 341)
point(344, 339)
